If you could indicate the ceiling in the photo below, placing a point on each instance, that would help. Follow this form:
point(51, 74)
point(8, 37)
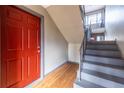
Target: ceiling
point(68, 19)
point(90, 8)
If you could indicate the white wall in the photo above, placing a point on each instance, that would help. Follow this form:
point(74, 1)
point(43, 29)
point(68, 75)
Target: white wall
point(115, 25)
point(56, 47)
point(74, 52)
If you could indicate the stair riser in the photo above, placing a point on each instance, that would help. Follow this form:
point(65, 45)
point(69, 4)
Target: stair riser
point(115, 54)
point(103, 69)
point(101, 81)
point(104, 60)
point(103, 43)
point(102, 47)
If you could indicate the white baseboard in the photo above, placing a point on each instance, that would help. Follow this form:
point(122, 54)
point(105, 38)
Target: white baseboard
point(55, 67)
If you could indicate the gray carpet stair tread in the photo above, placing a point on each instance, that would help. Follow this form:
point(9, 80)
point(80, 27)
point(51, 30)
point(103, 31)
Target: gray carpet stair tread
point(87, 84)
point(105, 76)
point(106, 65)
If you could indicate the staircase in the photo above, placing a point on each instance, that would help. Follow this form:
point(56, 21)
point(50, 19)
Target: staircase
point(102, 66)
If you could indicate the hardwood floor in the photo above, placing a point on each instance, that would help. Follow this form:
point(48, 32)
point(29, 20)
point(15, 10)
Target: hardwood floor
point(62, 77)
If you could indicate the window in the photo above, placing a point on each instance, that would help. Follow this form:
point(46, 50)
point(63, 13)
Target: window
point(94, 18)
point(99, 38)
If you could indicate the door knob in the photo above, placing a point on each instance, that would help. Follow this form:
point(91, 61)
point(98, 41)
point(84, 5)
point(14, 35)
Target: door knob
point(38, 51)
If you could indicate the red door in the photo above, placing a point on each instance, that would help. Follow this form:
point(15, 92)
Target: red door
point(33, 47)
point(20, 47)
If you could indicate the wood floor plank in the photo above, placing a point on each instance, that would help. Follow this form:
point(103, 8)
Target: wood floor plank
point(62, 77)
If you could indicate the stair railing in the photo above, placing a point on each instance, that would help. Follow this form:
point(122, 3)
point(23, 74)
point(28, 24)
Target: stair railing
point(82, 53)
point(84, 42)
point(89, 32)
